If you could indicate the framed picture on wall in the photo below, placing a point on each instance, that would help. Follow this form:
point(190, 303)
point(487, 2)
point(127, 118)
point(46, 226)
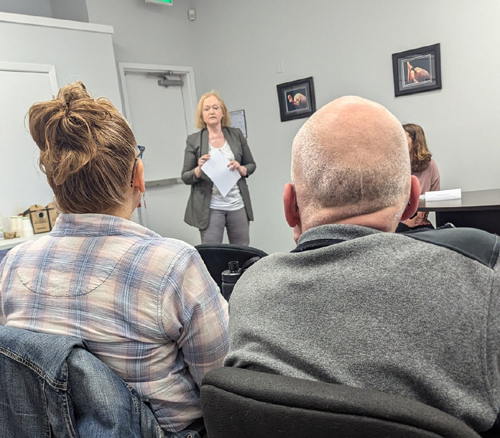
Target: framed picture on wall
point(417, 70)
point(238, 120)
point(296, 99)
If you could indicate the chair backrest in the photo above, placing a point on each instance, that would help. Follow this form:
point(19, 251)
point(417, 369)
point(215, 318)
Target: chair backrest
point(51, 385)
point(247, 404)
point(217, 256)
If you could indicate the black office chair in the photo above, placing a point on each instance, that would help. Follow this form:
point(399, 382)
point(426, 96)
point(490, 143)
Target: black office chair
point(217, 257)
point(248, 404)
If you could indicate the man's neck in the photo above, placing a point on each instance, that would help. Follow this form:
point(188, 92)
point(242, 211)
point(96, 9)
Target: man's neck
point(383, 220)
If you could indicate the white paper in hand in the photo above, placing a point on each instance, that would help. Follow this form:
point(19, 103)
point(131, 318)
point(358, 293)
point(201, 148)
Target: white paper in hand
point(216, 169)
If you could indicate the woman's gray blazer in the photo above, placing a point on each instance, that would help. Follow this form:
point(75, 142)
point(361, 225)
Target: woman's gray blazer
point(198, 206)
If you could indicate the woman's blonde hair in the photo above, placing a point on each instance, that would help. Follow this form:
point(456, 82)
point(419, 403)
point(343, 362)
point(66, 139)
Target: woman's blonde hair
point(226, 118)
point(420, 155)
point(87, 150)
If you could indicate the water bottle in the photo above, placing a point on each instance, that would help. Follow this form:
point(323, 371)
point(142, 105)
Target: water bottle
point(229, 279)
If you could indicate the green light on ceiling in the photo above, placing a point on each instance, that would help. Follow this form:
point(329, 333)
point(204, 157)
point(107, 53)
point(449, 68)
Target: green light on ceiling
point(166, 2)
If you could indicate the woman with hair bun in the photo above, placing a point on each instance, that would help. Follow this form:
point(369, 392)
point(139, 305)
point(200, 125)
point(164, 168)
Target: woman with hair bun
point(145, 305)
point(424, 168)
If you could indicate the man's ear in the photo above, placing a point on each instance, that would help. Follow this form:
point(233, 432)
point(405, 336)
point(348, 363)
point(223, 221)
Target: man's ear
point(290, 205)
point(139, 177)
point(412, 206)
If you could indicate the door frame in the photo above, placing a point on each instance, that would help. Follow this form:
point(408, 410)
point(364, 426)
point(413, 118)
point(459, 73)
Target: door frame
point(188, 88)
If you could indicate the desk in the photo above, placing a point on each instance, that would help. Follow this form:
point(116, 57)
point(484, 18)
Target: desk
point(479, 209)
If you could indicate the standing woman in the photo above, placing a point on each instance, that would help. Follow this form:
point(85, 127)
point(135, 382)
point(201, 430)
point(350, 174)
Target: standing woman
point(424, 168)
point(207, 209)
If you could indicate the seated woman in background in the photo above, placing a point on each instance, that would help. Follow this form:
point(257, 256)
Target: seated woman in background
point(424, 168)
point(144, 304)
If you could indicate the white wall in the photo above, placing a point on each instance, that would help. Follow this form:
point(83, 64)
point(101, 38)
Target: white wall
point(148, 33)
point(347, 47)
point(70, 10)
point(41, 8)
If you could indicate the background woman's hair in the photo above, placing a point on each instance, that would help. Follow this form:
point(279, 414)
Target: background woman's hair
point(420, 155)
point(87, 150)
point(226, 118)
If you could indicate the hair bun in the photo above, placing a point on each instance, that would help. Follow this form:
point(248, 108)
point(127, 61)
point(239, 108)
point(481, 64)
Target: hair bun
point(72, 92)
point(87, 150)
point(62, 130)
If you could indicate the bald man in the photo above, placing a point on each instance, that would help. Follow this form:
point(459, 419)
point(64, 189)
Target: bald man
point(416, 315)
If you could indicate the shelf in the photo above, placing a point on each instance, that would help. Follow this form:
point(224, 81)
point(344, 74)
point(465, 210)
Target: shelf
point(11, 243)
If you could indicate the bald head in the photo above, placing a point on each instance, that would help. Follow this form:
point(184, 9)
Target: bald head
point(350, 159)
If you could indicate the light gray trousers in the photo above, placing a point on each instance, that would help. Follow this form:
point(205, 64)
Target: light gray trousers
point(236, 223)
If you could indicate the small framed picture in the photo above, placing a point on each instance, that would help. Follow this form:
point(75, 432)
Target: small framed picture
point(296, 99)
point(238, 120)
point(417, 70)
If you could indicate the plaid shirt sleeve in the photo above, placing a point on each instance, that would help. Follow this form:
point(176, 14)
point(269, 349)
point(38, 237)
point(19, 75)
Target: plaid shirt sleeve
point(195, 314)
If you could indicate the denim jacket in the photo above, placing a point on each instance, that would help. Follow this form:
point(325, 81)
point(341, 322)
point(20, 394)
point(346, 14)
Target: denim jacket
point(51, 385)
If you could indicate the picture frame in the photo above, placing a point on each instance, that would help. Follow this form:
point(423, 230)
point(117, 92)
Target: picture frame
point(296, 99)
point(417, 70)
point(239, 120)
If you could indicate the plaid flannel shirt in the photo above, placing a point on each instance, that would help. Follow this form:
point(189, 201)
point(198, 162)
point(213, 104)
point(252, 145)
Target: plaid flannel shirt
point(145, 304)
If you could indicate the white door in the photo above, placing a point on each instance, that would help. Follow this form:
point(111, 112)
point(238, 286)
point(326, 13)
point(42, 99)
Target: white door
point(159, 122)
point(161, 118)
point(22, 183)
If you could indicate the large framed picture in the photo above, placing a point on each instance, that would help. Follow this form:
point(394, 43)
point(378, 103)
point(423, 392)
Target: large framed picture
point(296, 99)
point(417, 70)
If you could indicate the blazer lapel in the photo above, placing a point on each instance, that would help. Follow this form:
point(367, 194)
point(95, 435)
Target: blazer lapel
point(233, 144)
point(203, 142)
point(204, 150)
